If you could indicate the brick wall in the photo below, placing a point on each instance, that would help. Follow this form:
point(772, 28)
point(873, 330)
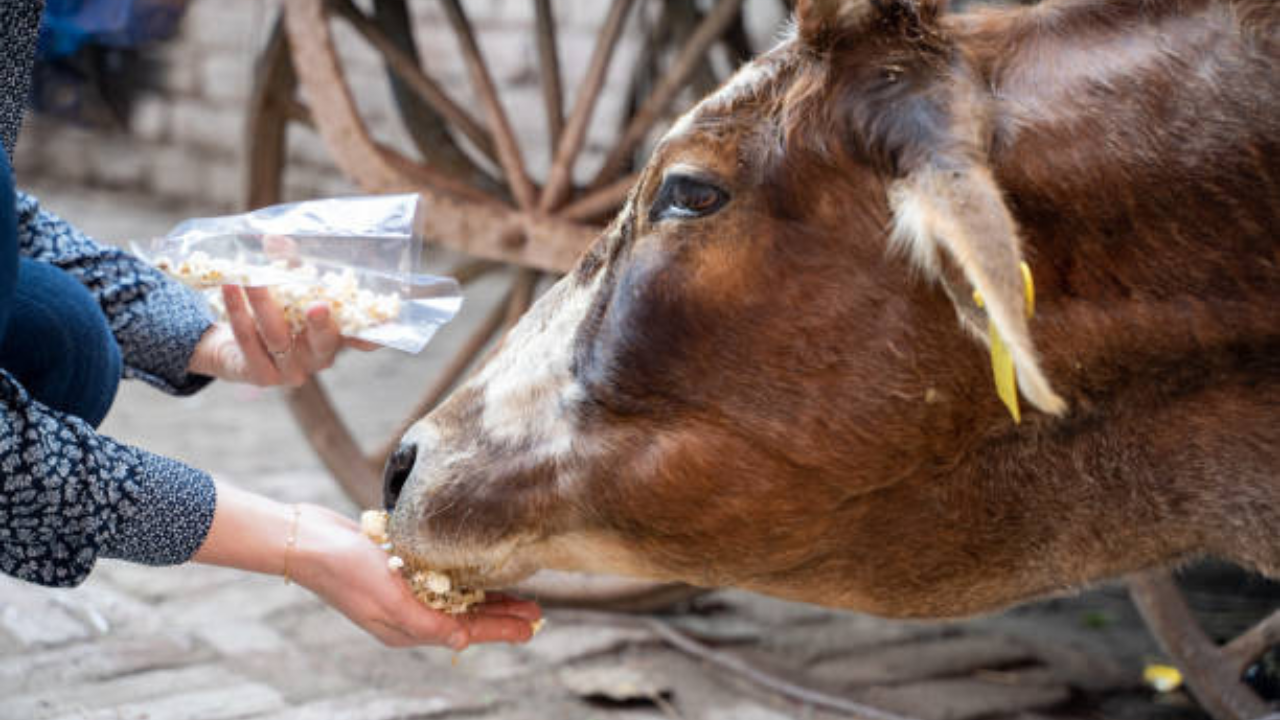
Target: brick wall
point(185, 135)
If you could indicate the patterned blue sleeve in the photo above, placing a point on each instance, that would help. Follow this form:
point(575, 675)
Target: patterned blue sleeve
point(156, 321)
point(69, 496)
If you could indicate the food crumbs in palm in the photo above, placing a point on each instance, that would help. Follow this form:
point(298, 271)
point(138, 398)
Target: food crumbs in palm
point(435, 588)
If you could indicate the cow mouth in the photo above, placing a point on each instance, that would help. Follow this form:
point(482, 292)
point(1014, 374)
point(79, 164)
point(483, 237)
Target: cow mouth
point(485, 567)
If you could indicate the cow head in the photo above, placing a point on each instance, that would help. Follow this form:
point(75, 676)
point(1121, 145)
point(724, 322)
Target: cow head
point(765, 335)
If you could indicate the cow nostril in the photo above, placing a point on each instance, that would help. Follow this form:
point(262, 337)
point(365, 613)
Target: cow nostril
point(399, 465)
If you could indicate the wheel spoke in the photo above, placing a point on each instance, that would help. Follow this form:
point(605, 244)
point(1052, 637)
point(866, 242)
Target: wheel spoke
point(499, 126)
point(429, 175)
point(408, 70)
point(470, 269)
point(1247, 648)
point(1217, 688)
point(429, 130)
point(299, 113)
point(270, 109)
point(561, 175)
point(521, 296)
point(600, 201)
point(451, 375)
point(709, 30)
point(338, 450)
point(549, 66)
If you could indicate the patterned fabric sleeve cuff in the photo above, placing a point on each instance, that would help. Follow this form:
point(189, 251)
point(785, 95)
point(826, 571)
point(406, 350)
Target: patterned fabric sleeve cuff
point(170, 517)
point(159, 356)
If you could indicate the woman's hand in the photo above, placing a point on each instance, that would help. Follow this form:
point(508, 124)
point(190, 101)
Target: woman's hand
point(335, 561)
point(256, 346)
point(330, 557)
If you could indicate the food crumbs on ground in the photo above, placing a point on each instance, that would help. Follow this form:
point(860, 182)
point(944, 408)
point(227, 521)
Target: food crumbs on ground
point(537, 626)
point(352, 308)
point(434, 588)
point(1162, 678)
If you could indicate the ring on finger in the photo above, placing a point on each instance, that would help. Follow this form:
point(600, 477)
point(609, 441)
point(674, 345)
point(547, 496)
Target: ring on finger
point(280, 355)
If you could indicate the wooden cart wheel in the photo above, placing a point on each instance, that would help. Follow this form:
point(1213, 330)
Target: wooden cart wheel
point(1213, 673)
point(496, 220)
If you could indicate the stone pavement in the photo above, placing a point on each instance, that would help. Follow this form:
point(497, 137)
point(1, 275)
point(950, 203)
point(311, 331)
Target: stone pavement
point(204, 643)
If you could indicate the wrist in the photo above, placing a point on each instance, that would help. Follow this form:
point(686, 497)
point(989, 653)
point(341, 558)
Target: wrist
point(248, 532)
point(291, 544)
point(201, 362)
point(309, 555)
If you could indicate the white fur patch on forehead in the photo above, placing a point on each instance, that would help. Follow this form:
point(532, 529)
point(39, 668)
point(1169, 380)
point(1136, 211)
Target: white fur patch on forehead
point(744, 83)
point(528, 387)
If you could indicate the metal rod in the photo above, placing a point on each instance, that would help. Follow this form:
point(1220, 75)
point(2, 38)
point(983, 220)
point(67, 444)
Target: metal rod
point(499, 126)
point(559, 181)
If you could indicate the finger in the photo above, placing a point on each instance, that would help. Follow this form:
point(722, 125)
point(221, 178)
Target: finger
point(496, 628)
point(260, 368)
point(333, 516)
point(501, 604)
point(281, 247)
point(271, 322)
point(323, 338)
point(390, 635)
point(430, 626)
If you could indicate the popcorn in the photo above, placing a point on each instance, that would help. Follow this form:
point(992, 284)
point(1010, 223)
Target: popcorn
point(435, 588)
point(352, 308)
point(436, 582)
point(373, 525)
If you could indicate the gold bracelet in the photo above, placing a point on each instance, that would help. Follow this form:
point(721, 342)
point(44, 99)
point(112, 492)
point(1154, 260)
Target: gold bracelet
point(290, 542)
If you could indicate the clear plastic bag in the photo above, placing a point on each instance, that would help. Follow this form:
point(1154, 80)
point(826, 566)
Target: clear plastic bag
point(359, 254)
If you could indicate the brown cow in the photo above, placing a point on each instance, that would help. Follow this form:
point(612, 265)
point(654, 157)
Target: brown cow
point(756, 376)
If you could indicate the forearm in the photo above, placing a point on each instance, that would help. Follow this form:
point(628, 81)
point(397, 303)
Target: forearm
point(249, 532)
point(156, 321)
point(70, 496)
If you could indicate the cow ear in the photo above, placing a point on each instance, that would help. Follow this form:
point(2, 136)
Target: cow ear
point(956, 208)
point(824, 24)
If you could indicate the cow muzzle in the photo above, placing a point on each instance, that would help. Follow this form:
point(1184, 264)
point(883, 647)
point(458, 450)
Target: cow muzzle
point(451, 508)
point(398, 468)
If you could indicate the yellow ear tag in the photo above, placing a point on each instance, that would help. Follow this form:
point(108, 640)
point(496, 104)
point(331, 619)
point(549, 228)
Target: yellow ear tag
point(1001, 360)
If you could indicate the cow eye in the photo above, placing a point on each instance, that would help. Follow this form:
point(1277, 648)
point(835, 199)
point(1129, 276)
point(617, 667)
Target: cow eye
point(685, 197)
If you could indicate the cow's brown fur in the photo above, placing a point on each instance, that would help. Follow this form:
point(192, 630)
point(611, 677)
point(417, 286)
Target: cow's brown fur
point(770, 399)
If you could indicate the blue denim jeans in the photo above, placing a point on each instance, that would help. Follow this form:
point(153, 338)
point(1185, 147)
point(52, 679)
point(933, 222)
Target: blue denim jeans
point(54, 338)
